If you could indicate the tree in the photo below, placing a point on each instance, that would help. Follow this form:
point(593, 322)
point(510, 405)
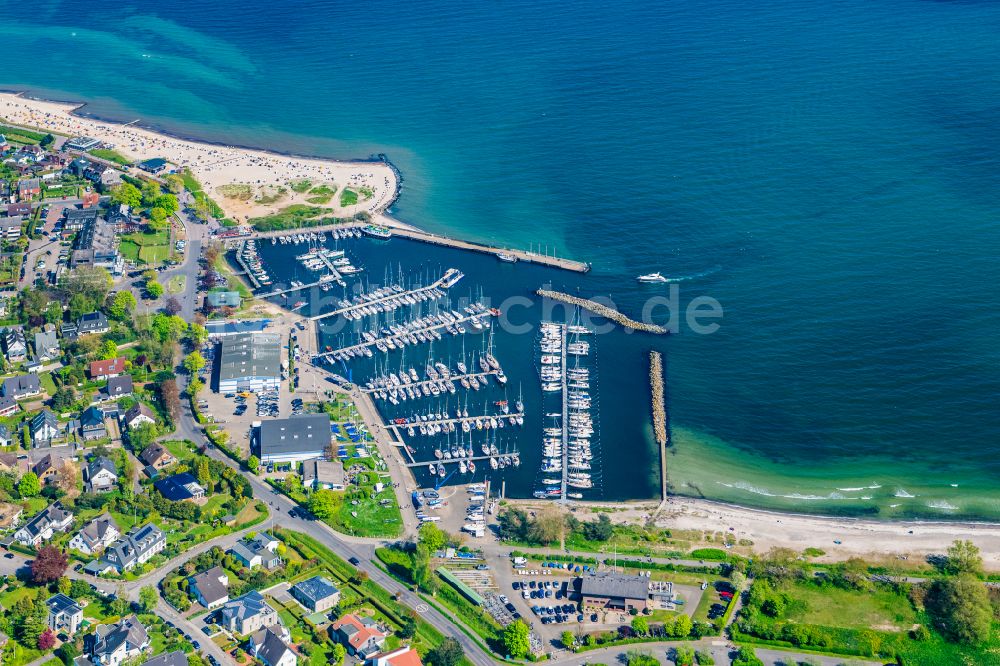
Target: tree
point(682, 626)
point(515, 639)
point(599, 530)
point(120, 605)
point(548, 527)
point(150, 192)
point(167, 203)
point(170, 395)
point(121, 305)
point(79, 588)
point(568, 640)
point(195, 386)
point(154, 290)
point(339, 652)
point(408, 629)
point(64, 585)
point(737, 580)
point(126, 193)
point(447, 653)
point(194, 362)
point(109, 350)
point(172, 306)
point(745, 656)
point(68, 651)
point(637, 657)
point(964, 557)
point(142, 436)
point(253, 462)
point(148, 596)
point(29, 486)
point(174, 183)
point(684, 656)
point(961, 608)
point(197, 334)
point(640, 625)
point(205, 474)
point(323, 504)
point(432, 536)
point(49, 564)
point(46, 640)
point(157, 218)
point(46, 141)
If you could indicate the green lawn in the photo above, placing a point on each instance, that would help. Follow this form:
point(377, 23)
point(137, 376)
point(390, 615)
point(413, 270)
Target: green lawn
point(348, 197)
point(110, 155)
point(149, 247)
point(836, 607)
point(48, 385)
point(176, 284)
point(300, 186)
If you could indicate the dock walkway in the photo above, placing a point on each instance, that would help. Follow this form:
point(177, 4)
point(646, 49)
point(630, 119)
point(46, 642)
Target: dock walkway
point(397, 337)
point(458, 420)
point(412, 292)
point(427, 382)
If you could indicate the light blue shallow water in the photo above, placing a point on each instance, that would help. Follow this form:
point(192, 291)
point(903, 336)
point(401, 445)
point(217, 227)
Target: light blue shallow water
point(829, 172)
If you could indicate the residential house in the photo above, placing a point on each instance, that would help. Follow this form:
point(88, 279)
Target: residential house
point(259, 551)
point(361, 635)
point(47, 469)
point(28, 188)
point(403, 656)
point(247, 614)
point(211, 588)
point(14, 345)
point(92, 424)
point(65, 615)
point(118, 387)
point(93, 323)
point(122, 220)
point(44, 428)
point(96, 535)
point(47, 345)
point(175, 658)
point(111, 644)
point(157, 456)
point(5, 194)
point(22, 386)
point(75, 219)
point(20, 209)
point(10, 228)
point(107, 369)
point(139, 414)
point(180, 487)
point(5, 440)
point(44, 524)
point(8, 405)
point(317, 594)
point(69, 331)
point(101, 473)
point(135, 548)
point(10, 515)
point(78, 167)
point(317, 474)
point(97, 245)
point(269, 648)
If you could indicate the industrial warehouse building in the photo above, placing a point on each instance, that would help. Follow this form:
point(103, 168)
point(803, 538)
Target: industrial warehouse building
point(295, 439)
point(249, 362)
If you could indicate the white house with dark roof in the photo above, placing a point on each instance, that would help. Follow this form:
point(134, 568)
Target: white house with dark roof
point(45, 428)
point(211, 588)
point(259, 551)
point(22, 386)
point(96, 535)
point(47, 345)
point(247, 614)
point(15, 347)
point(270, 648)
point(118, 387)
point(101, 475)
point(111, 644)
point(137, 415)
point(175, 658)
point(44, 524)
point(134, 549)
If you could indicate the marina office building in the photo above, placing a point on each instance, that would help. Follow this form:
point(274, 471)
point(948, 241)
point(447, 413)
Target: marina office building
point(249, 362)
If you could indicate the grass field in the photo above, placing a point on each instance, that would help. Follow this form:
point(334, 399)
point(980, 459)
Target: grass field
point(110, 155)
point(176, 284)
point(300, 186)
point(835, 607)
point(238, 191)
point(348, 197)
point(149, 247)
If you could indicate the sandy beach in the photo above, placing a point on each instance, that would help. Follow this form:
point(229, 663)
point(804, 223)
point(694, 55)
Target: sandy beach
point(216, 165)
point(874, 540)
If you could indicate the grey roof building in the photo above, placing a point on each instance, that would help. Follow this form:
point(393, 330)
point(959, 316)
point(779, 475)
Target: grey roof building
point(211, 587)
point(110, 644)
point(297, 438)
point(22, 386)
point(96, 535)
point(614, 591)
point(317, 593)
point(93, 322)
point(261, 550)
point(136, 547)
point(249, 362)
point(101, 475)
point(118, 387)
point(270, 648)
point(247, 614)
point(46, 345)
point(65, 615)
point(175, 658)
point(220, 299)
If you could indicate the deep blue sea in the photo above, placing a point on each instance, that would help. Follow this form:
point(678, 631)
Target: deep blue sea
point(829, 172)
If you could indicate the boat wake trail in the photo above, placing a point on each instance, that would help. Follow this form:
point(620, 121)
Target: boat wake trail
point(694, 276)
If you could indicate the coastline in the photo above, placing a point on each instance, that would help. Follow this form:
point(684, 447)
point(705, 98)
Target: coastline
point(683, 508)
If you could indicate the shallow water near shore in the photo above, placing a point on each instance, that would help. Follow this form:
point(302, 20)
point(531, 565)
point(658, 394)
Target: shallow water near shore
point(829, 173)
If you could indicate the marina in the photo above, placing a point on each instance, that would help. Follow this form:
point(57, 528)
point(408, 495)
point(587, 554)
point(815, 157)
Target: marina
point(392, 297)
point(420, 330)
point(568, 455)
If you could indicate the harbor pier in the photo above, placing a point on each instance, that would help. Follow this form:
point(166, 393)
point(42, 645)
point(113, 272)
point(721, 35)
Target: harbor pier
point(659, 415)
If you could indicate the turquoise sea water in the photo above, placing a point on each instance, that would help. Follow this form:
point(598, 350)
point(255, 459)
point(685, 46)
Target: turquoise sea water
point(828, 172)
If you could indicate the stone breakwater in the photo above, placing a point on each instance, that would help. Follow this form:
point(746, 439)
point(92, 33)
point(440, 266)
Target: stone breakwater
point(656, 387)
point(604, 311)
